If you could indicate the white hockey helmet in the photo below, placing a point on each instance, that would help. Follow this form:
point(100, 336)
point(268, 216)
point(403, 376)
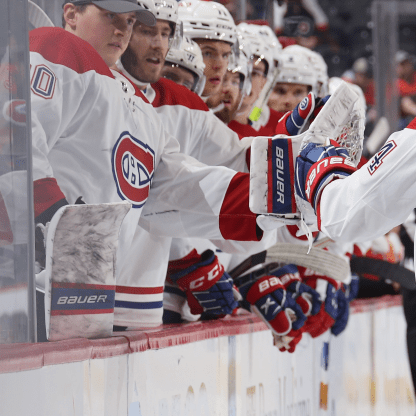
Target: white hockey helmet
point(271, 40)
point(189, 56)
point(296, 68)
point(207, 20)
point(253, 45)
point(319, 65)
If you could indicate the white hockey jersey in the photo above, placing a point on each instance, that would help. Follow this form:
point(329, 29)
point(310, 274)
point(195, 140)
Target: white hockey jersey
point(139, 291)
point(100, 141)
point(376, 198)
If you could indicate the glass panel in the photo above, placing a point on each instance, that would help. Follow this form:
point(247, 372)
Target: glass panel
point(17, 323)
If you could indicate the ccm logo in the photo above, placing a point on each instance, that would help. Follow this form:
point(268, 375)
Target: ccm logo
point(280, 181)
point(211, 275)
point(335, 160)
point(270, 282)
point(72, 300)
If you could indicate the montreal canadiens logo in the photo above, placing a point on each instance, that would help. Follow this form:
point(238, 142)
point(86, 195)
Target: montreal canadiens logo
point(304, 104)
point(133, 168)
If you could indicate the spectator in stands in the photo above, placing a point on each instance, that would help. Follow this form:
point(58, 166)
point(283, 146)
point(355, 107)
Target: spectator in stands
point(406, 75)
point(361, 75)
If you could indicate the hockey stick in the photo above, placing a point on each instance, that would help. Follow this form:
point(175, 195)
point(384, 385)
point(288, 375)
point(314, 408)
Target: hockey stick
point(318, 260)
point(378, 136)
point(384, 270)
point(263, 98)
point(37, 17)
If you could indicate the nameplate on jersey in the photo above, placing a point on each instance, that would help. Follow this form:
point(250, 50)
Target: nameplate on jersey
point(133, 164)
point(377, 160)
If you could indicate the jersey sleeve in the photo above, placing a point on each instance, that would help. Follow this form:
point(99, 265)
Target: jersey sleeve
point(377, 197)
point(190, 199)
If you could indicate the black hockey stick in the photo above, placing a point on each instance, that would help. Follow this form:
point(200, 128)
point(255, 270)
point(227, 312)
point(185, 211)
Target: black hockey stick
point(384, 270)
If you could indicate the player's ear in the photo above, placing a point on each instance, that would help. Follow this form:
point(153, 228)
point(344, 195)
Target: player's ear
point(70, 16)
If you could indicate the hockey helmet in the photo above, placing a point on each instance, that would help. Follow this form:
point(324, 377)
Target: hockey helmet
point(207, 20)
point(189, 56)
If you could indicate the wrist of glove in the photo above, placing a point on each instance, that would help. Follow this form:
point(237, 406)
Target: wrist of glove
point(207, 286)
point(317, 166)
point(268, 298)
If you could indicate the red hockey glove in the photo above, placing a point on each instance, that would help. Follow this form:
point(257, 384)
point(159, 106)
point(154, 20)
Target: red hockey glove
point(317, 324)
point(207, 286)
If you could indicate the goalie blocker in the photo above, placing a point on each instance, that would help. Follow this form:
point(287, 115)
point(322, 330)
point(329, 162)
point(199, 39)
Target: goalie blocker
point(272, 169)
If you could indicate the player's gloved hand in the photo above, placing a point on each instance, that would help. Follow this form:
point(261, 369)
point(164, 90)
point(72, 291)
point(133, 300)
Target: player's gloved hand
point(207, 286)
point(266, 296)
point(317, 324)
point(286, 343)
point(317, 166)
point(306, 297)
point(293, 122)
point(351, 289)
point(341, 319)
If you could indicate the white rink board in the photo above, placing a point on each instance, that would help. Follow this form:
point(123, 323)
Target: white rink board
point(239, 375)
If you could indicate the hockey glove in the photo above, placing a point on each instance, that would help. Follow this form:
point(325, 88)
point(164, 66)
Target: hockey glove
point(317, 166)
point(341, 319)
point(267, 297)
point(306, 297)
point(351, 289)
point(293, 122)
point(317, 324)
point(207, 286)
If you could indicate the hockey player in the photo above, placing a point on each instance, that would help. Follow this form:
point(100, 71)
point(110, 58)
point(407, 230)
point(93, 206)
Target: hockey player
point(200, 23)
point(201, 134)
point(295, 80)
point(185, 66)
point(127, 155)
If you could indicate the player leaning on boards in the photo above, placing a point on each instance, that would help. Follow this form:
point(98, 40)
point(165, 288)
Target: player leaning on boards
point(96, 137)
point(131, 291)
point(200, 134)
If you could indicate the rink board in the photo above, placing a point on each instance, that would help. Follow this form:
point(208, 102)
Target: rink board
point(216, 368)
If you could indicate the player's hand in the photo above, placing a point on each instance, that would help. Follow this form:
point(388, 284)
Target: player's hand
point(293, 122)
point(306, 297)
point(207, 286)
point(319, 323)
point(317, 166)
point(267, 297)
point(341, 319)
point(351, 289)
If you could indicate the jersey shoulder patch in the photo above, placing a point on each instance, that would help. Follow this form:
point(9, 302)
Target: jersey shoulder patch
point(60, 47)
point(170, 93)
point(377, 160)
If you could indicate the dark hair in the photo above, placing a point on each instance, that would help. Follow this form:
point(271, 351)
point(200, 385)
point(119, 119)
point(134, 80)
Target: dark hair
point(80, 9)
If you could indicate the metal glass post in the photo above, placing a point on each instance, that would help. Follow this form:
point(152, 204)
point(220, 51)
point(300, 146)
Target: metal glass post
point(17, 293)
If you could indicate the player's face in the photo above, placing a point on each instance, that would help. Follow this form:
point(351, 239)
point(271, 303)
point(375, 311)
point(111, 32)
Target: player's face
point(216, 54)
point(108, 33)
point(258, 80)
point(181, 76)
point(230, 96)
point(145, 55)
point(286, 97)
